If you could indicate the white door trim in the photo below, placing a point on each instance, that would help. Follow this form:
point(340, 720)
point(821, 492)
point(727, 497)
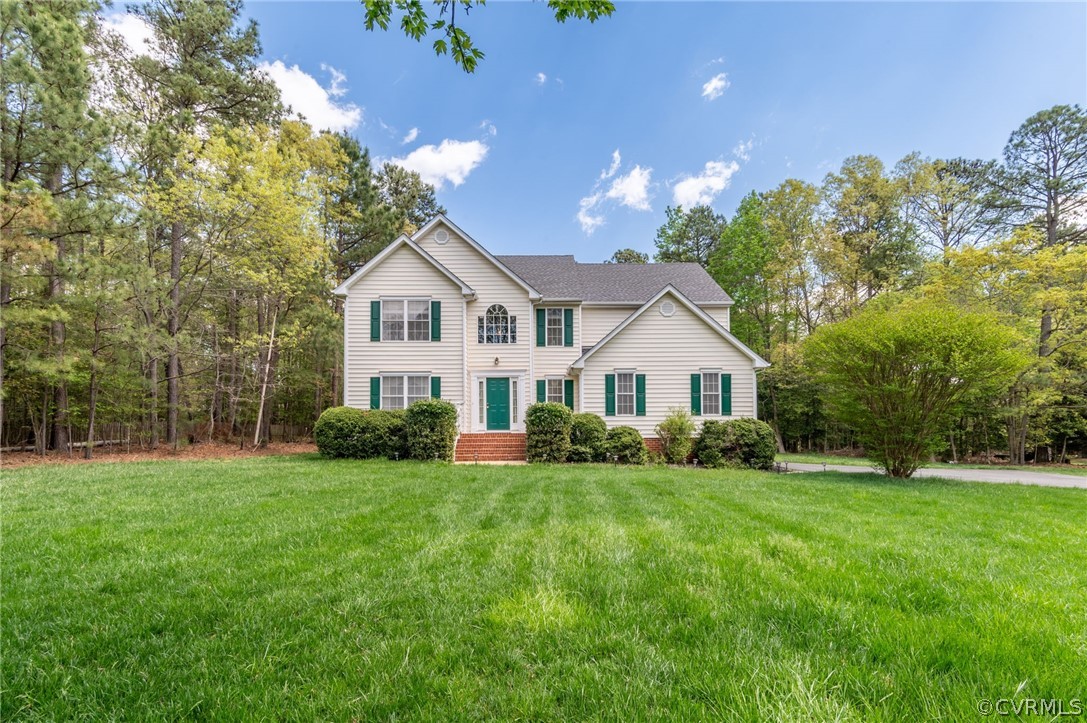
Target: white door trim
point(517, 424)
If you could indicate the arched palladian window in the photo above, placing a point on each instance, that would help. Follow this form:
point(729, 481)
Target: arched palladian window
point(496, 326)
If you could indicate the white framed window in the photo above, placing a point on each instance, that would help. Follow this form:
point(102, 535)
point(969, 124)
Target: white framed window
point(555, 391)
point(405, 319)
point(482, 402)
point(554, 327)
point(624, 394)
point(418, 320)
point(514, 397)
point(398, 391)
point(711, 393)
point(497, 326)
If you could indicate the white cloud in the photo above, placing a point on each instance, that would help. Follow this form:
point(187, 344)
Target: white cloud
point(616, 159)
point(133, 29)
point(715, 87)
point(585, 216)
point(541, 78)
point(450, 161)
point(136, 33)
point(743, 149)
point(632, 190)
point(338, 87)
point(411, 136)
point(704, 187)
point(489, 127)
point(306, 97)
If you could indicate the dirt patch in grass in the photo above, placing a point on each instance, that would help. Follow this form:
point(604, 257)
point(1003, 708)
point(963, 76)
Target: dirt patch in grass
point(200, 450)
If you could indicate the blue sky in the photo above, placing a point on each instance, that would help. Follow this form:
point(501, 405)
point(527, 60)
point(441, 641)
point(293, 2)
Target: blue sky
point(524, 144)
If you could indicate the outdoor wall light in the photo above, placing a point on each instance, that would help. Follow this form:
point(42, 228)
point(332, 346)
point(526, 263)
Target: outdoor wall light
point(496, 361)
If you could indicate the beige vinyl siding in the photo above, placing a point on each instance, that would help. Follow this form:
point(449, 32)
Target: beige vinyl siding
point(402, 274)
point(667, 350)
point(597, 321)
point(492, 286)
point(720, 314)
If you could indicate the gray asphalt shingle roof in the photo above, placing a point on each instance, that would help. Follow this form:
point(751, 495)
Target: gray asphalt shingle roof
point(562, 277)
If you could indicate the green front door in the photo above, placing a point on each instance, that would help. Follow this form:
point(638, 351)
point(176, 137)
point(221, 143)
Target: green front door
point(498, 403)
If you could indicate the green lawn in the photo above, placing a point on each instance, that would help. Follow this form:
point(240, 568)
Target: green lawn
point(1077, 468)
point(297, 588)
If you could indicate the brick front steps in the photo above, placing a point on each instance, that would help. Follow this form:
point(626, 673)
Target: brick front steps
point(491, 447)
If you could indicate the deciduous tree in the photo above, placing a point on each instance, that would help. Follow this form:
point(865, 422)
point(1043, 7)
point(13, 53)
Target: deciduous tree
point(900, 374)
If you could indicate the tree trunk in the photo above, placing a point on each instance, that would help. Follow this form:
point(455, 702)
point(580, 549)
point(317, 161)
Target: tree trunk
point(173, 327)
point(92, 401)
point(57, 330)
point(215, 412)
point(5, 299)
point(257, 434)
point(1045, 332)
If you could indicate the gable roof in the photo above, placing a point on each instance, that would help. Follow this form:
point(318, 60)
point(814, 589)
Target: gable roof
point(403, 240)
point(533, 294)
point(758, 361)
point(562, 277)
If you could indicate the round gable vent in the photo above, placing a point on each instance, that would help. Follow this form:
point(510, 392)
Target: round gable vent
point(441, 236)
point(668, 308)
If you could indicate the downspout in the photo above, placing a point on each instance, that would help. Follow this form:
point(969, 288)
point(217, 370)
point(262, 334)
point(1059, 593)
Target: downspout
point(346, 389)
point(466, 417)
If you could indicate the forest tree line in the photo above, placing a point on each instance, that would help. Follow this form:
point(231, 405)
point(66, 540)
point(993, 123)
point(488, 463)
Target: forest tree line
point(1006, 237)
point(170, 239)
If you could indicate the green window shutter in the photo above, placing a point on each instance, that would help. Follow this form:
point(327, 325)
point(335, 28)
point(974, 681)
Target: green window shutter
point(541, 390)
point(639, 395)
point(435, 321)
point(567, 327)
point(568, 392)
point(435, 387)
point(375, 321)
point(726, 394)
point(541, 327)
point(609, 395)
point(375, 392)
point(696, 394)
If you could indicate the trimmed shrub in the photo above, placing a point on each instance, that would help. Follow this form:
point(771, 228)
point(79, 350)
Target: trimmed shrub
point(358, 434)
point(336, 431)
point(626, 446)
point(547, 432)
point(432, 429)
point(587, 434)
point(736, 443)
point(383, 433)
point(676, 433)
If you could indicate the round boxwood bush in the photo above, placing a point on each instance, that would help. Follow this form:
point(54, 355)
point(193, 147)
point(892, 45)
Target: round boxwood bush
point(547, 432)
point(336, 431)
point(736, 443)
point(587, 434)
point(358, 434)
point(432, 429)
point(626, 446)
point(383, 433)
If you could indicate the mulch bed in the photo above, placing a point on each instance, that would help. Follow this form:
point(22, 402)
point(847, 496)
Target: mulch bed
point(200, 450)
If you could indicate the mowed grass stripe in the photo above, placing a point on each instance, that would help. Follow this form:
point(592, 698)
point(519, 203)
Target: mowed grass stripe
point(300, 588)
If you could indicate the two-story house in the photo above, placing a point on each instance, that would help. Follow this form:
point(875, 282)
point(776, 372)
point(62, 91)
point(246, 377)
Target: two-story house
point(437, 315)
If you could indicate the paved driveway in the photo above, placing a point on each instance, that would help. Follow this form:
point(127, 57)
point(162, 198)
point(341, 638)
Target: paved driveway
point(1007, 476)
